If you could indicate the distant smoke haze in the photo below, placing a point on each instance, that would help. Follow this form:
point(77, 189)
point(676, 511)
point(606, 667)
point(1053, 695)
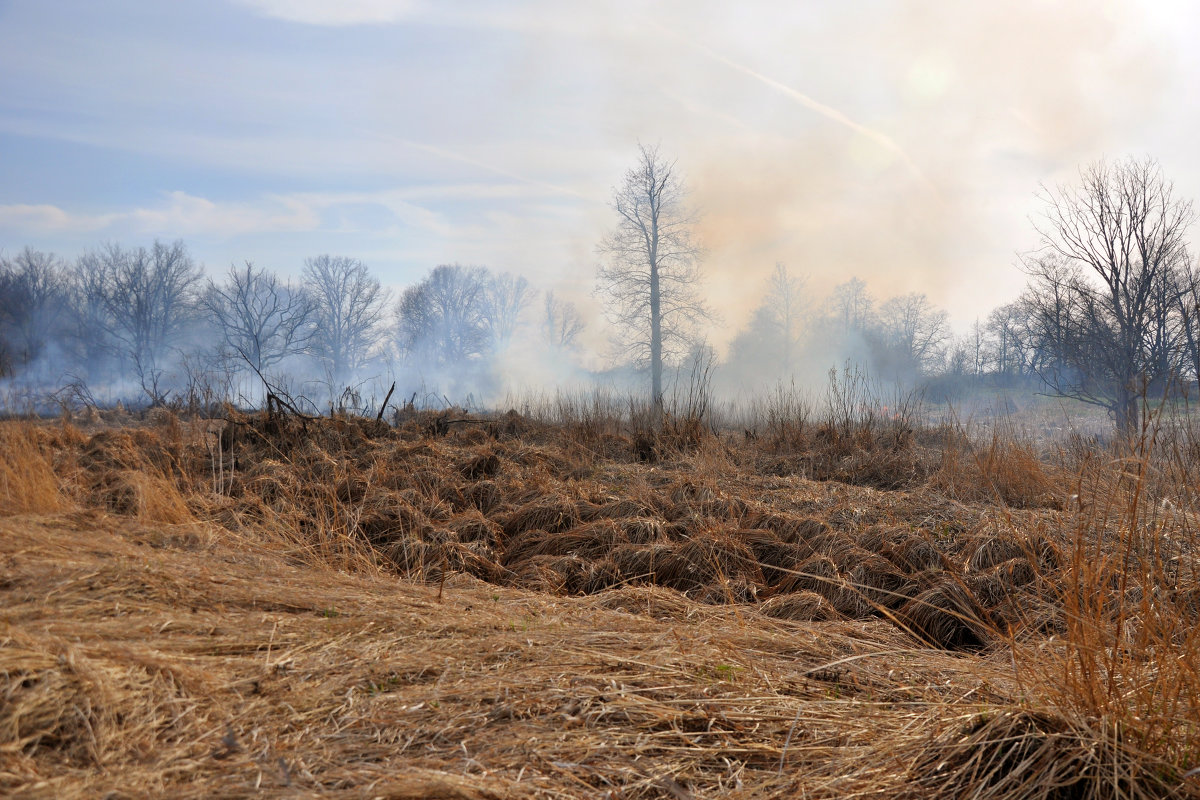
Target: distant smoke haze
point(902, 142)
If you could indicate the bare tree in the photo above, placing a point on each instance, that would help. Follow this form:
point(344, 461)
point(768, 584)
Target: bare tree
point(977, 340)
point(958, 358)
point(33, 304)
point(1048, 305)
point(443, 320)
point(91, 329)
point(1107, 286)
point(260, 319)
point(650, 278)
point(562, 323)
point(850, 308)
point(914, 331)
point(1009, 351)
point(787, 309)
point(11, 318)
point(969, 354)
point(348, 305)
point(505, 299)
point(767, 348)
point(148, 304)
point(1189, 315)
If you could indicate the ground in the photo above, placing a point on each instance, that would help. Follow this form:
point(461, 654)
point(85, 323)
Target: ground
point(233, 639)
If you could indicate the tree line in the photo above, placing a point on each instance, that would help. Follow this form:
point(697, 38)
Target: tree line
point(151, 315)
point(1110, 314)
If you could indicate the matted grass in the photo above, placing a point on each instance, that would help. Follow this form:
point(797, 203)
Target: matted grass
point(341, 609)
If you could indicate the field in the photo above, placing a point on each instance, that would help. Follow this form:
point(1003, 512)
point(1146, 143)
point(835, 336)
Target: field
point(572, 603)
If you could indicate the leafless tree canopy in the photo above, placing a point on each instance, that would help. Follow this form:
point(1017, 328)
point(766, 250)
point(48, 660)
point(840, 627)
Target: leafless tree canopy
point(771, 345)
point(260, 320)
point(851, 309)
point(443, 320)
point(649, 277)
point(561, 324)
point(787, 307)
point(1108, 296)
point(1010, 349)
point(1110, 315)
point(144, 301)
point(348, 307)
point(914, 331)
point(33, 288)
point(506, 297)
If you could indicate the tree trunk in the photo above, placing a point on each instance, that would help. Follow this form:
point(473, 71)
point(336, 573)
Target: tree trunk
point(1126, 411)
point(656, 366)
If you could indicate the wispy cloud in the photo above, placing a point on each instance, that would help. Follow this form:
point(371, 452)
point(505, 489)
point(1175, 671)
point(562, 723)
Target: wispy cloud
point(336, 13)
point(44, 218)
point(827, 111)
point(396, 203)
point(451, 155)
point(187, 214)
point(180, 214)
point(183, 214)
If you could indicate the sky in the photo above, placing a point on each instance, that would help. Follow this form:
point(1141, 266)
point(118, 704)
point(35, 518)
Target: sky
point(900, 141)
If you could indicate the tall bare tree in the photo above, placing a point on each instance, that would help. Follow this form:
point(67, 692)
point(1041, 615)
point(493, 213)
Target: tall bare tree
point(650, 276)
point(33, 305)
point(348, 306)
point(1189, 314)
point(1009, 351)
point(767, 349)
point(91, 330)
point(561, 324)
point(505, 299)
point(787, 309)
point(850, 308)
point(260, 319)
point(914, 331)
point(970, 353)
point(149, 303)
point(1107, 285)
point(442, 320)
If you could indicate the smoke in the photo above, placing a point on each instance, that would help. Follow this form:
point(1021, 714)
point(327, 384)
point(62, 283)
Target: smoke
point(899, 142)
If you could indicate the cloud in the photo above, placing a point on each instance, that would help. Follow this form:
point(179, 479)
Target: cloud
point(333, 13)
point(181, 214)
point(400, 211)
point(878, 137)
point(42, 219)
point(451, 155)
point(378, 215)
point(184, 214)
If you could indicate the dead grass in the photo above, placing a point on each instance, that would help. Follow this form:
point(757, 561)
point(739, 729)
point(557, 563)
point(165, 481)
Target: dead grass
point(1005, 469)
point(1039, 756)
point(280, 607)
point(28, 484)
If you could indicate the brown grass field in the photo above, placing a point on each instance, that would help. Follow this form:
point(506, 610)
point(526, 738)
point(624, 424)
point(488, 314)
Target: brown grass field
point(465, 607)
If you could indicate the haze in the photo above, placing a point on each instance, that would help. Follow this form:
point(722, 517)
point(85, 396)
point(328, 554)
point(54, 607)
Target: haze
point(902, 142)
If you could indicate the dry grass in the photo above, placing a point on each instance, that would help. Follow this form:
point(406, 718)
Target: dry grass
point(28, 484)
point(277, 607)
point(1006, 469)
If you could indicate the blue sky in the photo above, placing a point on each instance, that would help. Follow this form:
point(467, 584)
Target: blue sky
point(900, 141)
